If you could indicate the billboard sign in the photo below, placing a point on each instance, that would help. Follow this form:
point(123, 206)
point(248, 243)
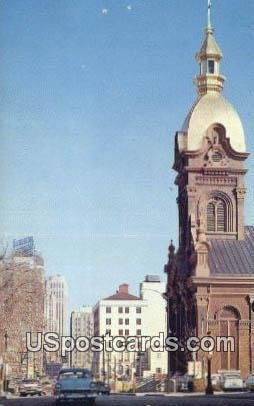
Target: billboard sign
point(24, 246)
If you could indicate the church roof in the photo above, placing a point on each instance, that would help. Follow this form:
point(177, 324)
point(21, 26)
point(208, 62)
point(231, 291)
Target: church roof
point(233, 257)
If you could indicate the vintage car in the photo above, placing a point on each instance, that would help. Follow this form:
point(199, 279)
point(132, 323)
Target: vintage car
point(30, 387)
point(232, 381)
point(75, 384)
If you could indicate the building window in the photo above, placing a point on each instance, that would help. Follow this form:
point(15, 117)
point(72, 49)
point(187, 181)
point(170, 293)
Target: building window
point(210, 66)
point(138, 309)
point(138, 332)
point(120, 309)
point(138, 321)
point(127, 321)
point(108, 331)
point(120, 332)
point(120, 321)
point(127, 310)
point(127, 332)
point(108, 309)
point(108, 321)
point(216, 216)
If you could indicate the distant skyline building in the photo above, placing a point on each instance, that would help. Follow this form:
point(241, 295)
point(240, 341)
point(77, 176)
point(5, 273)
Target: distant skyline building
point(81, 324)
point(56, 305)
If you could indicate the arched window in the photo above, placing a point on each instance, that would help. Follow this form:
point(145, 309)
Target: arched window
point(216, 216)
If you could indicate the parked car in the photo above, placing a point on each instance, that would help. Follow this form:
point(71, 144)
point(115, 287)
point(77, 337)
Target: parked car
point(103, 388)
point(47, 387)
point(250, 383)
point(13, 386)
point(30, 387)
point(184, 383)
point(232, 381)
point(75, 384)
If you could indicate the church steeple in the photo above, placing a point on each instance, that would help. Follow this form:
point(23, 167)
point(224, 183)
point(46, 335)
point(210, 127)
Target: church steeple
point(209, 57)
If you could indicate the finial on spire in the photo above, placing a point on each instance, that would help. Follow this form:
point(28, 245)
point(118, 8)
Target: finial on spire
point(209, 6)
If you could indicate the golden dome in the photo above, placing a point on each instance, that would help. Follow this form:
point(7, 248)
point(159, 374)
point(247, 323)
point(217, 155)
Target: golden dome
point(212, 108)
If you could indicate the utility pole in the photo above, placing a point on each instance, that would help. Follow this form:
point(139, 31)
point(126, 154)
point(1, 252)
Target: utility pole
point(115, 373)
point(103, 362)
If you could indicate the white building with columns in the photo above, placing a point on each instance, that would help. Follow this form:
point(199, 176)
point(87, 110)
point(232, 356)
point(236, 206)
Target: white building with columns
point(120, 314)
point(127, 315)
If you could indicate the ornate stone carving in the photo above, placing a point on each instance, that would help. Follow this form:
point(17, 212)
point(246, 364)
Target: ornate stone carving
point(216, 181)
point(240, 192)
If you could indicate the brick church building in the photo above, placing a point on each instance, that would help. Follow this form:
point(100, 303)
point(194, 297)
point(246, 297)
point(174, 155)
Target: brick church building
point(210, 287)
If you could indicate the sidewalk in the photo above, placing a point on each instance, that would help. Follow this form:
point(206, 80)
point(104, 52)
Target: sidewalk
point(183, 394)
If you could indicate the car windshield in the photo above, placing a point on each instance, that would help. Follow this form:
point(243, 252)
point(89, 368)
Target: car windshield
point(74, 375)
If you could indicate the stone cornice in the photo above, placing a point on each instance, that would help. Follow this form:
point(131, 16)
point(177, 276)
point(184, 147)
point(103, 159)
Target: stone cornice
point(229, 280)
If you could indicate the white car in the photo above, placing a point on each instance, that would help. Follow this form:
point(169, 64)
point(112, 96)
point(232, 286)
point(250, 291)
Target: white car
point(232, 382)
point(30, 387)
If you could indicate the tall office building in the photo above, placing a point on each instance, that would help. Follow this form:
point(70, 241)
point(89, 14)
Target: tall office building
point(82, 325)
point(56, 305)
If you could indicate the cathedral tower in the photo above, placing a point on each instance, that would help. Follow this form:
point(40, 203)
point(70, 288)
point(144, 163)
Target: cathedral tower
point(211, 277)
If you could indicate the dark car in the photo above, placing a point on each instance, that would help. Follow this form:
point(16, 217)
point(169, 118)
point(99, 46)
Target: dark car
point(103, 388)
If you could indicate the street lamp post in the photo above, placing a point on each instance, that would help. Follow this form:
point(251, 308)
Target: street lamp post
point(209, 386)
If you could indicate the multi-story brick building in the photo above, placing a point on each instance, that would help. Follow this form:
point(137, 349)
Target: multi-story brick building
point(211, 277)
point(21, 311)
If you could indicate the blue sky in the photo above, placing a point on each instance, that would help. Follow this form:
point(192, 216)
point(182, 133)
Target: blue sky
point(90, 102)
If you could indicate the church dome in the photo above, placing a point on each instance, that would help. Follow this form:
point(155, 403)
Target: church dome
point(213, 108)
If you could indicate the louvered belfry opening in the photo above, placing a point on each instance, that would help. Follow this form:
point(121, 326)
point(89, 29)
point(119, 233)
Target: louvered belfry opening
point(211, 217)
point(216, 216)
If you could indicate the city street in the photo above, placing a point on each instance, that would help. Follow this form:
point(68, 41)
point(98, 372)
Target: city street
point(158, 400)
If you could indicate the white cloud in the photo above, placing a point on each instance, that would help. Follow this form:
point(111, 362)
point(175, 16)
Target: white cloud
point(104, 11)
point(129, 7)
